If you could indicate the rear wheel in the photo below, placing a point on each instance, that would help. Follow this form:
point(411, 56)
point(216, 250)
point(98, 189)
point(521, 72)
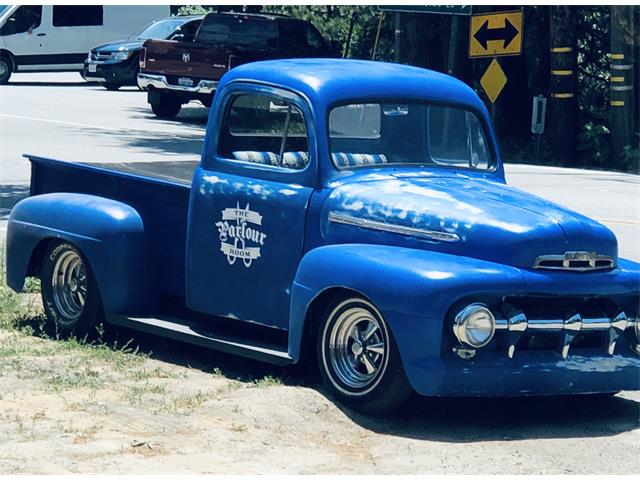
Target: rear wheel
point(69, 292)
point(166, 106)
point(358, 357)
point(5, 70)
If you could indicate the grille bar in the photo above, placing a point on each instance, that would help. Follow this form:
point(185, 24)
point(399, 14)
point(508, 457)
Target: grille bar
point(575, 261)
point(515, 324)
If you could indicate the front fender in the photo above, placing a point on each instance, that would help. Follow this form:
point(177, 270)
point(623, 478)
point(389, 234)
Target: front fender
point(412, 288)
point(109, 233)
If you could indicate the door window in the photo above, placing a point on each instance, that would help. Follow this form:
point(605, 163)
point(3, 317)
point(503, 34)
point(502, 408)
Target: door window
point(77, 16)
point(24, 19)
point(266, 130)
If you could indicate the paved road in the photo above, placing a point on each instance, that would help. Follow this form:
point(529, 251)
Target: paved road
point(61, 116)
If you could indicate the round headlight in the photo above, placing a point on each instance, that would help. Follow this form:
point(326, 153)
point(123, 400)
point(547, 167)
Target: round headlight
point(474, 325)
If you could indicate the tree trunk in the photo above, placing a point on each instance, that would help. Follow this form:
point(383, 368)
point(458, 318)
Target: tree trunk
point(623, 107)
point(563, 118)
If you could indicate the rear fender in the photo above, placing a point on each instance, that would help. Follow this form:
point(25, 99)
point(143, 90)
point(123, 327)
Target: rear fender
point(109, 233)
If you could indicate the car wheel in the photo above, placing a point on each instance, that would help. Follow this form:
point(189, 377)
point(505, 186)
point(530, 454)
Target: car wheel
point(166, 107)
point(358, 357)
point(69, 292)
point(112, 86)
point(5, 70)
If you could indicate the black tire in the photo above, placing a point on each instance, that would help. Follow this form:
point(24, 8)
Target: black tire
point(166, 107)
point(70, 293)
point(346, 371)
point(5, 70)
point(112, 87)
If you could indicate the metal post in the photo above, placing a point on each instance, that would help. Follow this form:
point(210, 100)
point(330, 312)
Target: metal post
point(453, 37)
point(398, 37)
point(375, 45)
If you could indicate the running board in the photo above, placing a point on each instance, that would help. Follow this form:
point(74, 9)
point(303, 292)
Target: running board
point(186, 331)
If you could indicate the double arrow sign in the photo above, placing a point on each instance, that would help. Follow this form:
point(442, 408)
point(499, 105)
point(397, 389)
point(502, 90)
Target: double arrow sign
point(495, 34)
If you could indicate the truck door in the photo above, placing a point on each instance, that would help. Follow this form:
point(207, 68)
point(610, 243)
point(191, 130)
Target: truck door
point(248, 206)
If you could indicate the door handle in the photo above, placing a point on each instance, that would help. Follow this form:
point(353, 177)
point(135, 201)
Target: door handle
point(41, 35)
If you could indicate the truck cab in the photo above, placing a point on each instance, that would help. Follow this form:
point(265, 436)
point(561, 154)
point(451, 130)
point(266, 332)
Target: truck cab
point(351, 211)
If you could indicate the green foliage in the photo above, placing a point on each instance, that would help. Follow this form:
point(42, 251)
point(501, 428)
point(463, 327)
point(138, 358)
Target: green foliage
point(631, 158)
point(593, 143)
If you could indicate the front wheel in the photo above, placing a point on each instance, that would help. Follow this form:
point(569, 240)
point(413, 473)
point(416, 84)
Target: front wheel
point(5, 70)
point(69, 292)
point(111, 86)
point(358, 357)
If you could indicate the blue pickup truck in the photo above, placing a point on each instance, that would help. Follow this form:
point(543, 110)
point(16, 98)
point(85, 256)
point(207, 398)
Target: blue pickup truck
point(351, 212)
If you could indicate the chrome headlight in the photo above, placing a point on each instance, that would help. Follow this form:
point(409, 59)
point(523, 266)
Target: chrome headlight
point(120, 55)
point(474, 325)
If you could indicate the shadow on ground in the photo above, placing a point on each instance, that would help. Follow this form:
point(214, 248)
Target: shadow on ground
point(454, 420)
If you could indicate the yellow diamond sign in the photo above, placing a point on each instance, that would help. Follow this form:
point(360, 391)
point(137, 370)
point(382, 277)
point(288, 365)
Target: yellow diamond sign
point(493, 80)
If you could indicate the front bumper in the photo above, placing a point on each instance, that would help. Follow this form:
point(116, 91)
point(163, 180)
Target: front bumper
point(147, 80)
point(122, 72)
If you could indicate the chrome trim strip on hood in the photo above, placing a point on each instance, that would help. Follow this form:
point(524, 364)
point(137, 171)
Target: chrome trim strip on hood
point(435, 235)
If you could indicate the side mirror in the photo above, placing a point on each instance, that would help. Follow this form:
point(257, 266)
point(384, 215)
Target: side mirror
point(178, 37)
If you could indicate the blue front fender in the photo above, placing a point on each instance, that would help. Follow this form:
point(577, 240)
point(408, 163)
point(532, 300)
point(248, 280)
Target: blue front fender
point(412, 288)
point(110, 234)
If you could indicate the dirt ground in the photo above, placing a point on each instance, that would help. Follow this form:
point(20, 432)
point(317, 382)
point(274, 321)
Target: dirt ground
point(157, 406)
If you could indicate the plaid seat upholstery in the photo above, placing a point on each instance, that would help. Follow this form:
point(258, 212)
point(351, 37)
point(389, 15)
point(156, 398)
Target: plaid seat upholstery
point(294, 160)
point(342, 159)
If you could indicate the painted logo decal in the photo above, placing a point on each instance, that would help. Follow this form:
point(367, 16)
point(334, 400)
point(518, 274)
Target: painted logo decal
point(239, 238)
point(186, 57)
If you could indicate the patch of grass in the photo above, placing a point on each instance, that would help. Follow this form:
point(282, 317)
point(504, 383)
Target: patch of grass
point(183, 404)
point(268, 381)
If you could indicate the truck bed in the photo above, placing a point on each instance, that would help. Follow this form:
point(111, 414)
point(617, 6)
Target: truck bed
point(159, 191)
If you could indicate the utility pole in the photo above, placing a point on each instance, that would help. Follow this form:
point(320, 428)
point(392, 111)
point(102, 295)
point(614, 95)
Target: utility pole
point(623, 108)
point(563, 121)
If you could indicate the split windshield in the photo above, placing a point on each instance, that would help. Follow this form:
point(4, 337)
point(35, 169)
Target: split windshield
point(376, 134)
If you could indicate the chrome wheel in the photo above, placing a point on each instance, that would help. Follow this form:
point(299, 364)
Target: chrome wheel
point(69, 285)
point(356, 347)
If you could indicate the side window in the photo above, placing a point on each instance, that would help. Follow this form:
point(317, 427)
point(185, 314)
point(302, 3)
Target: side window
point(189, 31)
point(314, 39)
point(266, 130)
point(77, 16)
point(24, 19)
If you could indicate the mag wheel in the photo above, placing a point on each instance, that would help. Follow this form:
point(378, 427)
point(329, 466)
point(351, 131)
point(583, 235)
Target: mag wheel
point(69, 291)
point(358, 357)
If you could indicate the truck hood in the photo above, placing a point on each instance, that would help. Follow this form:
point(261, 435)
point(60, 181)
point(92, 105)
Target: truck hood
point(119, 46)
point(479, 218)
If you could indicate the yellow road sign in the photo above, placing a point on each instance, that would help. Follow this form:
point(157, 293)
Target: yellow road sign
point(493, 80)
point(495, 34)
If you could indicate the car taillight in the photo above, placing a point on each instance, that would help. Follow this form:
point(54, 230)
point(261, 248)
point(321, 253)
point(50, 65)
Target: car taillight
point(143, 57)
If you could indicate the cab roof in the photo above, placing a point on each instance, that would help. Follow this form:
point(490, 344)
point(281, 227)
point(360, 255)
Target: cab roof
point(328, 81)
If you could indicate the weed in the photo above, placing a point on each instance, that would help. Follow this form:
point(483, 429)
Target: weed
point(268, 381)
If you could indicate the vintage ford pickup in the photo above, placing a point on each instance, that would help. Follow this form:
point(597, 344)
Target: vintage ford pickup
point(350, 210)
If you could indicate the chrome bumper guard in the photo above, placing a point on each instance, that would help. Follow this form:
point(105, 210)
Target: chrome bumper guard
point(515, 324)
point(146, 80)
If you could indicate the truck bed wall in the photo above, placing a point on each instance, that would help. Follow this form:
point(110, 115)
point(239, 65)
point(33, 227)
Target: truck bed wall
point(162, 205)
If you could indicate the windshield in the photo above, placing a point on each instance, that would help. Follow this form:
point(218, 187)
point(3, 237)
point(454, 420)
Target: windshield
point(160, 30)
point(239, 31)
point(374, 134)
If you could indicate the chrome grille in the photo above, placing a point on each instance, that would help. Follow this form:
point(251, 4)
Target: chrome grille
point(99, 56)
point(514, 325)
point(575, 261)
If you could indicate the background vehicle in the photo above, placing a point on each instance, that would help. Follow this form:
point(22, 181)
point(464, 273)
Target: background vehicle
point(116, 63)
point(355, 210)
point(59, 37)
point(176, 72)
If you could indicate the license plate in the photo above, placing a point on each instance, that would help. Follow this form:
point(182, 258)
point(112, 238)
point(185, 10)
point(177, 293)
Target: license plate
point(185, 82)
point(92, 67)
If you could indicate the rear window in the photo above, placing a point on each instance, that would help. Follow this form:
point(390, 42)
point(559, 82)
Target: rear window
point(242, 31)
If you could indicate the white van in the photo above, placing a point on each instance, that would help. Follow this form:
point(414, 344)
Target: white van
point(59, 37)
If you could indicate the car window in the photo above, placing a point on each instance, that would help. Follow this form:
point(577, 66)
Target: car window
point(188, 30)
point(238, 31)
point(25, 18)
point(297, 35)
point(77, 15)
point(372, 134)
point(266, 130)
